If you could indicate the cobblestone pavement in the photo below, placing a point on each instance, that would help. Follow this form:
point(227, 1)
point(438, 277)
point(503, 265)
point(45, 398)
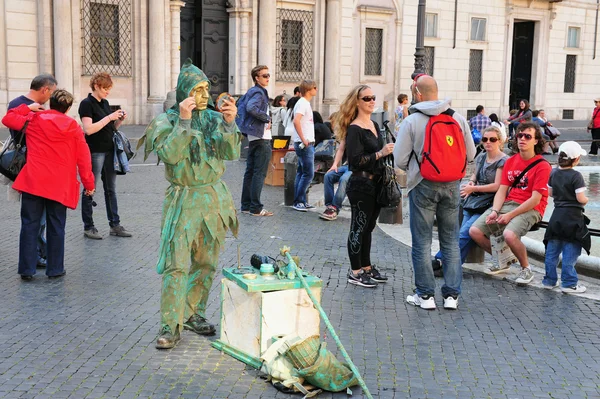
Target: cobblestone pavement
point(92, 333)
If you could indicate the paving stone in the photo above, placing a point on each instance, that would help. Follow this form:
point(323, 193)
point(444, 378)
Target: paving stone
point(91, 334)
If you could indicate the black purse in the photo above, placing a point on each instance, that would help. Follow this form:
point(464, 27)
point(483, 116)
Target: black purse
point(12, 160)
point(390, 194)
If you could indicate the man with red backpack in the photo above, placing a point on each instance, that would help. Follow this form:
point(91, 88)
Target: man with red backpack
point(433, 146)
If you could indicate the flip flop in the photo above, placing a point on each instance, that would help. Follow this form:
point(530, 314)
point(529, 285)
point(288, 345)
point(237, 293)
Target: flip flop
point(263, 212)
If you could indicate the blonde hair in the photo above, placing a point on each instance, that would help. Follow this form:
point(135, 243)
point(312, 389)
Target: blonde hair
point(499, 133)
point(347, 113)
point(306, 86)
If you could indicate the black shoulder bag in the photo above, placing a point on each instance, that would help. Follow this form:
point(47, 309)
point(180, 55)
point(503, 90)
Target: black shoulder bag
point(12, 160)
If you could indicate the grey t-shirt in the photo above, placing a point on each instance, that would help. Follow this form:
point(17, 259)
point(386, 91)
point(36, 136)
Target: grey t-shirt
point(487, 173)
point(565, 184)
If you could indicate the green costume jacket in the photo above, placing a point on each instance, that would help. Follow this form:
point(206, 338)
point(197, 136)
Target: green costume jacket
point(193, 152)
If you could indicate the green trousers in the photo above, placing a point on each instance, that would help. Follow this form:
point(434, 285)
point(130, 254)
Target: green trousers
point(187, 278)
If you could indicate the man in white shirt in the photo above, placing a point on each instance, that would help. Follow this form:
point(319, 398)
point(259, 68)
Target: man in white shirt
point(304, 144)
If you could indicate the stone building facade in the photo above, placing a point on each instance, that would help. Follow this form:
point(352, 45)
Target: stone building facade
point(491, 54)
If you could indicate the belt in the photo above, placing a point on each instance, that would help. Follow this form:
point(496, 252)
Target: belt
point(360, 173)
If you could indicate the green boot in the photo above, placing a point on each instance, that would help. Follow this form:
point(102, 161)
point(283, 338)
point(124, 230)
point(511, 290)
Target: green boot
point(166, 339)
point(199, 325)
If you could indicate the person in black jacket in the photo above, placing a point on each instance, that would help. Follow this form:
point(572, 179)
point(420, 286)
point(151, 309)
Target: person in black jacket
point(365, 147)
point(99, 124)
point(322, 131)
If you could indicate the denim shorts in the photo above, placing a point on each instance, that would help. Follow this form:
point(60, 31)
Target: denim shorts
point(520, 225)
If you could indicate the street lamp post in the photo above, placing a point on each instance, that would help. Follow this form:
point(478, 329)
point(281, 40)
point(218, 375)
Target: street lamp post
point(420, 46)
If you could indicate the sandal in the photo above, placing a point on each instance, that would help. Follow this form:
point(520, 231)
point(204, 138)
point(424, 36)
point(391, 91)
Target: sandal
point(263, 212)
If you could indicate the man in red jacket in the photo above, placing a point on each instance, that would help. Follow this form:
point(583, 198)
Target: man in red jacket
point(56, 149)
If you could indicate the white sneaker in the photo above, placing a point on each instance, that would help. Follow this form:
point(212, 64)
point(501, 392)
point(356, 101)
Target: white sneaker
point(550, 287)
point(495, 269)
point(450, 302)
point(578, 289)
point(525, 276)
point(427, 302)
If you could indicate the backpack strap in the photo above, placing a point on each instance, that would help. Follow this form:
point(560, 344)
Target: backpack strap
point(531, 165)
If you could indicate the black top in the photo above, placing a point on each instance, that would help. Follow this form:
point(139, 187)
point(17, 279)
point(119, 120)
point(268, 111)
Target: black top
point(564, 183)
point(16, 134)
point(361, 146)
point(322, 133)
point(102, 140)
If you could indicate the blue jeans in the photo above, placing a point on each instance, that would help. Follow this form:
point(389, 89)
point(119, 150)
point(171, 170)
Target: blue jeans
point(41, 238)
point(259, 154)
point(464, 239)
point(429, 199)
point(341, 177)
point(305, 171)
point(32, 209)
point(570, 253)
point(102, 166)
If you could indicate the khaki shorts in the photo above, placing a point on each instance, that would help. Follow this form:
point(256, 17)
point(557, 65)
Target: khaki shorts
point(519, 225)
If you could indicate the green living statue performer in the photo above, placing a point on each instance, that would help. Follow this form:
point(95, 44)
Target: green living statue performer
point(193, 141)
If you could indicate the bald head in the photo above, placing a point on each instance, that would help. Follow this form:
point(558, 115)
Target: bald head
point(427, 86)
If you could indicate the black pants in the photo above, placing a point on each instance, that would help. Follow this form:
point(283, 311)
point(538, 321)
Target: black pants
point(365, 211)
point(595, 144)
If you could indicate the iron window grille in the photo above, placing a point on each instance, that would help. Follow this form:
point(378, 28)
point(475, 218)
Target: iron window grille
point(478, 29)
point(429, 60)
point(373, 51)
point(471, 113)
point(106, 37)
point(568, 114)
point(475, 69)
point(431, 22)
point(573, 37)
point(570, 67)
point(295, 45)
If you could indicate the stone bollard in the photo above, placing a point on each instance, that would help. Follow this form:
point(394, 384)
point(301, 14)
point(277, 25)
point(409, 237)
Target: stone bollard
point(394, 215)
point(291, 165)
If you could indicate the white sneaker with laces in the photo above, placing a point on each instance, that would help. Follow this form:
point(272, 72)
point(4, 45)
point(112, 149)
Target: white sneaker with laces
point(427, 303)
point(578, 289)
point(525, 276)
point(450, 302)
point(550, 287)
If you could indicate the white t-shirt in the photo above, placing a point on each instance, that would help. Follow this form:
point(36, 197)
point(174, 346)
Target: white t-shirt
point(308, 126)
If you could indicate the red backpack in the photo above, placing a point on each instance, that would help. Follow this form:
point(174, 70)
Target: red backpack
point(444, 157)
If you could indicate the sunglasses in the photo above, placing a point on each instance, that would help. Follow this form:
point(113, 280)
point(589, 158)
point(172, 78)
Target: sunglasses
point(368, 98)
point(266, 76)
point(525, 136)
point(491, 139)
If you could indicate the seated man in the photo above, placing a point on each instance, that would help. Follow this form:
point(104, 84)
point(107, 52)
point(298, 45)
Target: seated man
point(520, 201)
point(335, 174)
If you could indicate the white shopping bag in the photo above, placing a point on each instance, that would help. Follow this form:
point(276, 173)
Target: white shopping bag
point(502, 256)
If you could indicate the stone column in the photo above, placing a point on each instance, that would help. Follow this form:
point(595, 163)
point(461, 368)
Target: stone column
point(157, 58)
point(63, 44)
point(267, 31)
point(332, 57)
point(175, 41)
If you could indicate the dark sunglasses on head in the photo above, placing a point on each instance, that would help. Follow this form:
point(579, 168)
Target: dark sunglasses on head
point(525, 136)
point(492, 139)
point(368, 98)
point(266, 76)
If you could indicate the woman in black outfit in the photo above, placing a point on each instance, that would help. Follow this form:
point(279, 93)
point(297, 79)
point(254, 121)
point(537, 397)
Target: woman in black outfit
point(365, 147)
point(99, 124)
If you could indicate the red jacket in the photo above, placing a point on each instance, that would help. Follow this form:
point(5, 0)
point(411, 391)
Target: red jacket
point(596, 117)
point(56, 148)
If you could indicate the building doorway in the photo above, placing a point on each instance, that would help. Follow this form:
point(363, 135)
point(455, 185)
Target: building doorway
point(521, 64)
point(205, 39)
